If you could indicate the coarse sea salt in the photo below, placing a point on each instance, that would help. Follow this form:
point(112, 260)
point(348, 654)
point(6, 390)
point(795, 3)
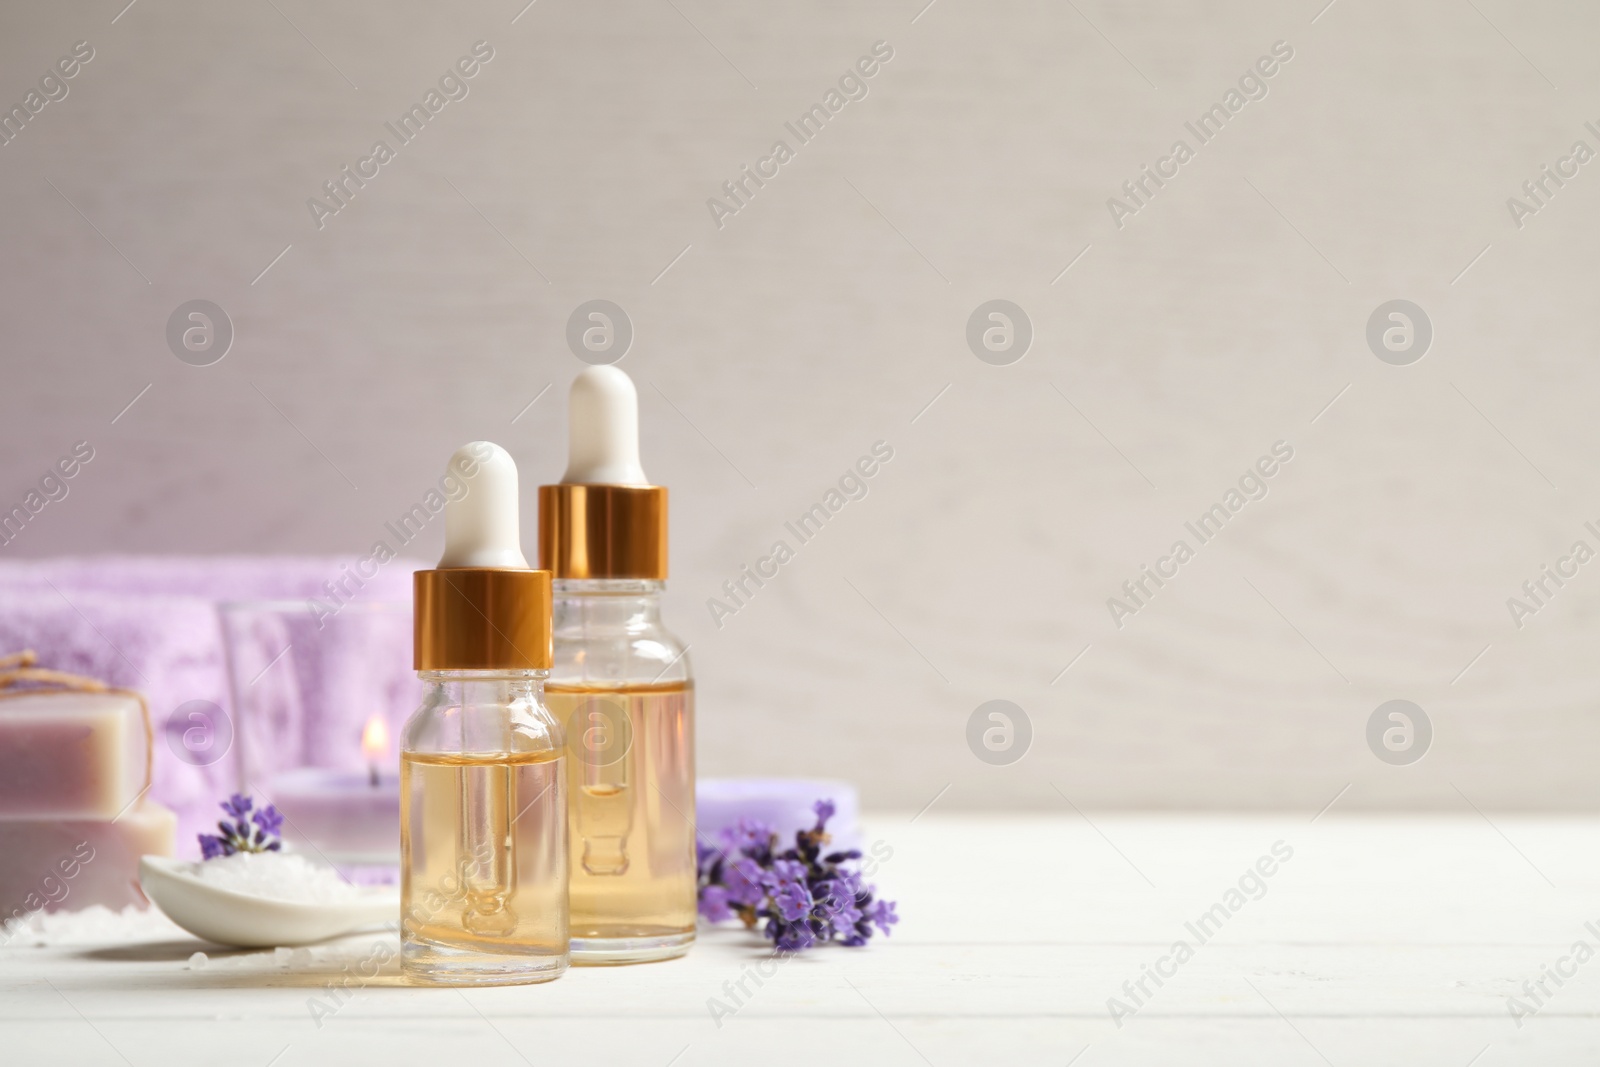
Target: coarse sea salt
point(277, 876)
point(90, 926)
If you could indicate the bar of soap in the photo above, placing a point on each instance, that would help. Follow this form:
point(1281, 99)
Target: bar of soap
point(782, 803)
point(70, 755)
point(62, 865)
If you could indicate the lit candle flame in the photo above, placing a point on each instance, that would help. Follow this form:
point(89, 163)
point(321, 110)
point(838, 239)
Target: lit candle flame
point(375, 745)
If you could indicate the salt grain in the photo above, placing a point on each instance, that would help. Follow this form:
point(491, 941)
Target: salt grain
point(198, 961)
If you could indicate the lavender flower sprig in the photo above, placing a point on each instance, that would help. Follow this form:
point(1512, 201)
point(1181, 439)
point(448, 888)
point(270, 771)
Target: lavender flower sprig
point(261, 831)
point(801, 896)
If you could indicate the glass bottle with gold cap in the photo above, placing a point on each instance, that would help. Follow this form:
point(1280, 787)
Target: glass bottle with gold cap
point(483, 833)
point(620, 686)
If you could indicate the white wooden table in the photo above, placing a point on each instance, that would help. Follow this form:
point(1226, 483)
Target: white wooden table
point(1380, 941)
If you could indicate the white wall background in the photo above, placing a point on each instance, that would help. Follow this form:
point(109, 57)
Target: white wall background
point(825, 316)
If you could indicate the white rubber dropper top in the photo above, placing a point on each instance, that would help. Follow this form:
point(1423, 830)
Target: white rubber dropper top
point(603, 430)
point(481, 527)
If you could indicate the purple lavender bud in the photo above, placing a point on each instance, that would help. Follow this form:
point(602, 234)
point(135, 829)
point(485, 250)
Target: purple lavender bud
point(784, 873)
point(269, 819)
point(749, 836)
point(836, 902)
point(744, 882)
point(714, 904)
point(824, 810)
point(793, 901)
point(883, 915)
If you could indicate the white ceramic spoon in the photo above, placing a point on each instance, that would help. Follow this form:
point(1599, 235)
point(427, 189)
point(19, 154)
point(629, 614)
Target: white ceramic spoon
point(228, 917)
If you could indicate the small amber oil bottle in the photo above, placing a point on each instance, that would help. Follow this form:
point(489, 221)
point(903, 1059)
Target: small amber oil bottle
point(483, 771)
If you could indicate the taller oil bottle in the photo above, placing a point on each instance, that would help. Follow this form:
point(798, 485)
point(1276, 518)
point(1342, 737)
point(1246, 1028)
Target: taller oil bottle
point(621, 686)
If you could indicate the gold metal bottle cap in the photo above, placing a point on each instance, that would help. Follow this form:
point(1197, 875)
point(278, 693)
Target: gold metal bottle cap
point(481, 619)
point(603, 531)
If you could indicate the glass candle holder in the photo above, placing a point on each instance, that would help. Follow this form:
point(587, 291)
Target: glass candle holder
point(319, 699)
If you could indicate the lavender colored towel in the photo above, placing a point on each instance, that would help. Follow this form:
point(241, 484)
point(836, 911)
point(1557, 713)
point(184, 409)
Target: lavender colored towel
point(152, 624)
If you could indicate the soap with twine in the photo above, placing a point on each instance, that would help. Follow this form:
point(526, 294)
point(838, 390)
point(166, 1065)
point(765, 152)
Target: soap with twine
point(70, 748)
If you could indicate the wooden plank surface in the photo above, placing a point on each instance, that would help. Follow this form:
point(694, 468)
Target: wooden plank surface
point(1376, 941)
